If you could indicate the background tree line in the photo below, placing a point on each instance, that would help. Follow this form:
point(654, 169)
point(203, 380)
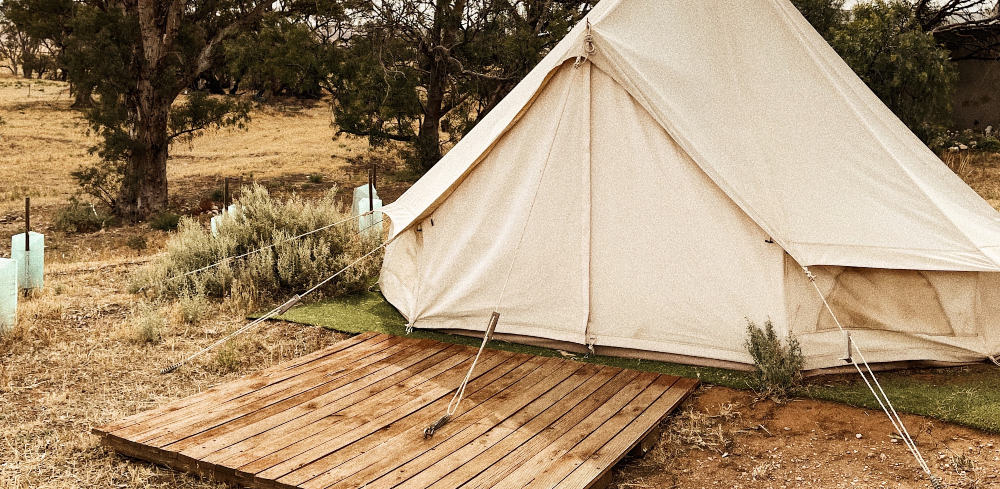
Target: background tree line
point(146, 73)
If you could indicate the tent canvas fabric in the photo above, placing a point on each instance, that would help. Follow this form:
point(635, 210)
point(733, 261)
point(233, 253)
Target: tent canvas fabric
point(662, 176)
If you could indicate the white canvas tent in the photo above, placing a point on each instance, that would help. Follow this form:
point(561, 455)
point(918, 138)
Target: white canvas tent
point(663, 174)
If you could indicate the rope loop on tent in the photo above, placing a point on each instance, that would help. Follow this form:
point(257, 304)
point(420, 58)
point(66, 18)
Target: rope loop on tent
point(284, 307)
point(588, 47)
point(874, 386)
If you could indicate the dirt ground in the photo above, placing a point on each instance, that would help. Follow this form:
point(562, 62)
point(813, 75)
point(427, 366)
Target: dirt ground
point(76, 359)
point(725, 438)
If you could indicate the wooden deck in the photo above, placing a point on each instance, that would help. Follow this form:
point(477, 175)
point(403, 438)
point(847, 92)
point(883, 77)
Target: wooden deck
point(353, 415)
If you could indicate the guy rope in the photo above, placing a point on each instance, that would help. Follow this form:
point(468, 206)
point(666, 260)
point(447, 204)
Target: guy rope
point(495, 316)
point(875, 387)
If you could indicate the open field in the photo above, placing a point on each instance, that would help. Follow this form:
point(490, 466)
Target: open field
point(86, 352)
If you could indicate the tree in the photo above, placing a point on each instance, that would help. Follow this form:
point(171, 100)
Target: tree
point(824, 15)
point(933, 15)
point(138, 56)
point(19, 50)
point(284, 56)
point(886, 46)
point(50, 22)
point(415, 69)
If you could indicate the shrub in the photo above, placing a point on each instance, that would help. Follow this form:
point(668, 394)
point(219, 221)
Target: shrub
point(81, 217)
point(274, 273)
point(778, 365)
point(166, 221)
point(147, 324)
point(192, 308)
point(316, 178)
point(229, 358)
point(137, 242)
point(902, 64)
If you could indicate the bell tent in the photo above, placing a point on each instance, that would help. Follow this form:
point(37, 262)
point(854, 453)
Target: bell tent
point(663, 175)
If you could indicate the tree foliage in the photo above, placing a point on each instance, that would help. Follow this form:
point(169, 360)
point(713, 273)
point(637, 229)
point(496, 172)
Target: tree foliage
point(137, 57)
point(824, 15)
point(415, 70)
point(285, 56)
point(902, 64)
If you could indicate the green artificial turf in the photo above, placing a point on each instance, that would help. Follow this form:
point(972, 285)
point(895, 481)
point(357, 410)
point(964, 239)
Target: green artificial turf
point(968, 396)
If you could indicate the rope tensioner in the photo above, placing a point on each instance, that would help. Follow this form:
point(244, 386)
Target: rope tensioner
point(460, 392)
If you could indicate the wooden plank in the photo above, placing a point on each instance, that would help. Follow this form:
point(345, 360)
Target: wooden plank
point(429, 464)
point(599, 464)
point(527, 471)
point(326, 419)
point(353, 416)
point(593, 440)
point(470, 460)
point(403, 461)
point(326, 436)
point(498, 462)
point(339, 374)
point(380, 383)
point(318, 460)
point(250, 382)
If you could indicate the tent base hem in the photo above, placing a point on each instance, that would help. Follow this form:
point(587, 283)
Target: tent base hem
point(632, 353)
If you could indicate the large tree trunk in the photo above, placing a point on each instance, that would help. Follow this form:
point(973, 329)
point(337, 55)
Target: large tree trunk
point(438, 63)
point(144, 187)
point(428, 143)
point(82, 98)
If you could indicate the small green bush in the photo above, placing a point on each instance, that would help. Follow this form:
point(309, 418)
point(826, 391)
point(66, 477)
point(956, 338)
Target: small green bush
point(777, 364)
point(989, 144)
point(316, 178)
point(229, 358)
point(81, 217)
point(273, 274)
point(166, 221)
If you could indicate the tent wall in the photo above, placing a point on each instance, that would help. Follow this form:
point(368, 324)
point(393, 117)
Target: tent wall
point(894, 315)
point(523, 212)
point(664, 241)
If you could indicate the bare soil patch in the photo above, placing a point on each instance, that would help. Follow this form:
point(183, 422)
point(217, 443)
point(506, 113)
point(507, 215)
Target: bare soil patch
point(725, 438)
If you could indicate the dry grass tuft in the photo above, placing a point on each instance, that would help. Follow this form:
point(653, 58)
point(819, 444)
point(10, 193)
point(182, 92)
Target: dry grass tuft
point(701, 430)
point(147, 324)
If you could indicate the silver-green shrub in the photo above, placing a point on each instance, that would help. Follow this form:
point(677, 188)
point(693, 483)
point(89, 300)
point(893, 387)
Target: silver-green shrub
point(777, 364)
point(273, 274)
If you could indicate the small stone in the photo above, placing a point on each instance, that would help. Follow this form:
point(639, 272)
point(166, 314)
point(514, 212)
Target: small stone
point(858, 436)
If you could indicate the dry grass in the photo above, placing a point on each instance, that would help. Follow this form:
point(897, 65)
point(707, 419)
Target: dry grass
point(67, 368)
point(43, 140)
point(980, 170)
point(73, 362)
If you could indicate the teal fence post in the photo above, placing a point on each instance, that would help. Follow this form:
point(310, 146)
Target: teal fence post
point(8, 294)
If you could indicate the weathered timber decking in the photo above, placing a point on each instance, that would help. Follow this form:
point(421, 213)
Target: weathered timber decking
point(352, 415)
